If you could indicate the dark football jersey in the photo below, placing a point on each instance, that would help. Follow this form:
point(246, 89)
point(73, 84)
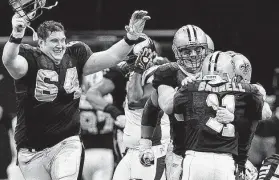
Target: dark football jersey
point(48, 96)
point(168, 74)
point(198, 102)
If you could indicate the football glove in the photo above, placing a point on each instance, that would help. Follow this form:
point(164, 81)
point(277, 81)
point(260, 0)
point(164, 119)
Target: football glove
point(251, 172)
point(144, 60)
point(19, 25)
point(173, 166)
point(146, 154)
point(136, 25)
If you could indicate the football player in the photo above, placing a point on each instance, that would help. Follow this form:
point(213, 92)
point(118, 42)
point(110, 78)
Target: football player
point(190, 48)
point(211, 133)
point(47, 83)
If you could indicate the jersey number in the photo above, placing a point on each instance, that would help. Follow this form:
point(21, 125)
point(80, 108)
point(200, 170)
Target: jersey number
point(48, 92)
point(228, 130)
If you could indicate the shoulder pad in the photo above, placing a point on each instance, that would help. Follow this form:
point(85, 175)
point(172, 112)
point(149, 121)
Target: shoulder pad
point(29, 52)
point(165, 74)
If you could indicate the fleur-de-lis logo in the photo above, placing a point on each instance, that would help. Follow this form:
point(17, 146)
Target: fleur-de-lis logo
point(245, 68)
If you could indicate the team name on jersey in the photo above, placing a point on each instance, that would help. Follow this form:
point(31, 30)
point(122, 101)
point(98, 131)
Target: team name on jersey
point(230, 86)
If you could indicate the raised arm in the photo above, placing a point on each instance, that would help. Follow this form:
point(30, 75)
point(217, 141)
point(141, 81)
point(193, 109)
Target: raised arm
point(115, 54)
point(16, 65)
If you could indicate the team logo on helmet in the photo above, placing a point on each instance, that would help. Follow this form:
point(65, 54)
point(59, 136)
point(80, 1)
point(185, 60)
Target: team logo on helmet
point(245, 68)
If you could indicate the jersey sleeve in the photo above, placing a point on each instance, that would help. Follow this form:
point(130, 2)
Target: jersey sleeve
point(30, 53)
point(165, 75)
point(179, 101)
point(79, 51)
point(256, 103)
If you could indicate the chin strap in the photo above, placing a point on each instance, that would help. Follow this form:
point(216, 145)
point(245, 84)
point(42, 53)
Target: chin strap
point(35, 35)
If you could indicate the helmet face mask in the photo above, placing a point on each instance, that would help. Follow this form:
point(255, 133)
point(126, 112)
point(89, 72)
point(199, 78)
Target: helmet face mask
point(190, 48)
point(29, 9)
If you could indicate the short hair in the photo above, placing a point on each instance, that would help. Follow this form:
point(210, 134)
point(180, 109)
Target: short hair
point(47, 27)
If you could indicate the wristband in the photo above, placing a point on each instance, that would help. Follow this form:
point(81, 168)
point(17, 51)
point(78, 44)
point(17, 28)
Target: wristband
point(113, 111)
point(132, 42)
point(12, 39)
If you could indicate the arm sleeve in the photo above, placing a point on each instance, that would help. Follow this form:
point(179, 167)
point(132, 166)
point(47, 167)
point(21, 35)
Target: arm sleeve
point(149, 119)
point(179, 101)
point(30, 53)
point(150, 114)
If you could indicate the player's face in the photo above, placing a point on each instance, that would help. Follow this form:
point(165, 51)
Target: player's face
point(55, 45)
point(191, 58)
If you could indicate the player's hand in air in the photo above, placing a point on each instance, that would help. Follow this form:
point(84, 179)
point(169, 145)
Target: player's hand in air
point(144, 60)
point(19, 25)
point(146, 155)
point(224, 116)
point(136, 25)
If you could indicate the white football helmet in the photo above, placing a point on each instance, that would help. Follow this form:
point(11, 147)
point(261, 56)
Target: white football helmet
point(190, 47)
point(243, 68)
point(210, 44)
point(219, 67)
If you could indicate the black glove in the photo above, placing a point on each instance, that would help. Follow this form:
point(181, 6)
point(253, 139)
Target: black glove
point(144, 60)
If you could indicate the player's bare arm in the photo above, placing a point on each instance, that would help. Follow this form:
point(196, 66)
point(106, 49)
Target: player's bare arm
point(115, 54)
point(134, 88)
point(165, 98)
point(139, 92)
point(16, 65)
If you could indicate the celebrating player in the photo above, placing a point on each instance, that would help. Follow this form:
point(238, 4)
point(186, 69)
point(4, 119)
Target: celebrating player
point(190, 48)
point(47, 83)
